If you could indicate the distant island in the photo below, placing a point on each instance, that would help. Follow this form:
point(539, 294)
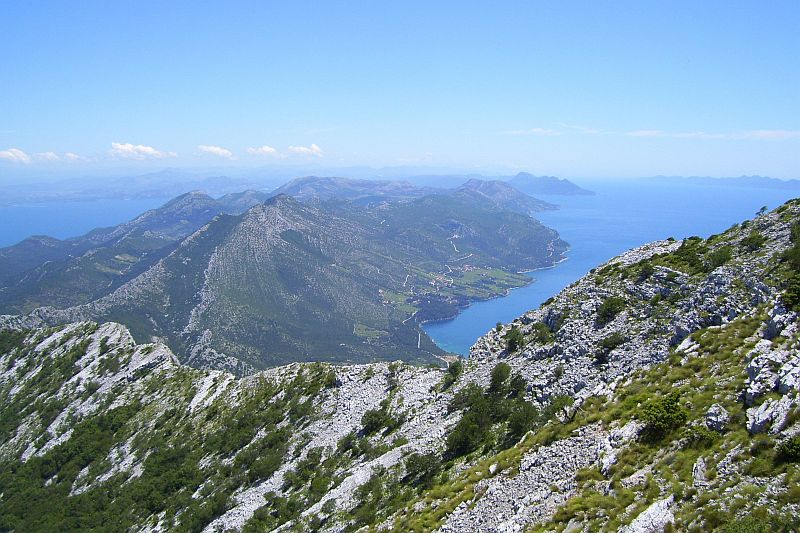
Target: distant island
point(531, 184)
point(499, 194)
point(761, 182)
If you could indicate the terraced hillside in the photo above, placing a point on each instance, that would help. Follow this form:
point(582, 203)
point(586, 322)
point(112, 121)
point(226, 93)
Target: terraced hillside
point(658, 393)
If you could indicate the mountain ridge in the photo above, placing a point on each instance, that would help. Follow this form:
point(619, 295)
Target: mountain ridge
point(296, 281)
point(660, 391)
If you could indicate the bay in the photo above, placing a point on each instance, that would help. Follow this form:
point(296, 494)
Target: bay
point(623, 214)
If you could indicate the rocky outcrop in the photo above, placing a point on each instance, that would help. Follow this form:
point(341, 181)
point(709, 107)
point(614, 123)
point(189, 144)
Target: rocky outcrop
point(717, 418)
point(653, 519)
point(546, 479)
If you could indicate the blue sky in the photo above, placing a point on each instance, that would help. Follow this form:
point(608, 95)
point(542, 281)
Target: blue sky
point(569, 88)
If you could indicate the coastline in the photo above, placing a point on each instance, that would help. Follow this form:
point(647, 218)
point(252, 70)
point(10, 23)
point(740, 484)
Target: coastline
point(531, 280)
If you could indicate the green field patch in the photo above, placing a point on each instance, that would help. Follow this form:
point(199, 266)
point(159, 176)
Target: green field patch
point(367, 332)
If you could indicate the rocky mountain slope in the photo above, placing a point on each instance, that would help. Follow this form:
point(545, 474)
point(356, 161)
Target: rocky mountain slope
point(503, 195)
point(658, 393)
point(288, 281)
point(45, 271)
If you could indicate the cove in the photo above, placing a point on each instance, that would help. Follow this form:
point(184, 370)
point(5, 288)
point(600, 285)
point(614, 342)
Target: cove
point(623, 214)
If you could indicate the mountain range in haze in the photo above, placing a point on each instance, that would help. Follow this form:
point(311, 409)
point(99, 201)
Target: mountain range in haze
point(250, 280)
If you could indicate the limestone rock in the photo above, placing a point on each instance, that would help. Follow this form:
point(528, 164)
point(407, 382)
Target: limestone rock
point(699, 473)
point(771, 412)
point(653, 519)
point(717, 418)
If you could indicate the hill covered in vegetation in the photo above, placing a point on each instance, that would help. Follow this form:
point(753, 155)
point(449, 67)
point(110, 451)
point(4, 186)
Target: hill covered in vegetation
point(289, 281)
point(658, 393)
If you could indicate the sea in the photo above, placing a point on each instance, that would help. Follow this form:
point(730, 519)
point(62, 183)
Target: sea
point(622, 215)
point(68, 219)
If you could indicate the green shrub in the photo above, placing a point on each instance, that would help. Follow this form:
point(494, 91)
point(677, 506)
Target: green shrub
point(347, 443)
point(688, 257)
point(663, 415)
point(466, 397)
point(611, 307)
point(646, 270)
point(753, 241)
point(541, 333)
point(789, 450)
point(791, 296)
point(517, 386)
point(607, 345)
point(700, 437)
point(500, 374)
point(523, 418)
point(792, 255)
point(556, 405)
point(422, 469)
point(10, 339)
point(719, 257)
point(751, 524)
point(454, 371)
point(514, 339)
point(374, 420)
point(468, 434)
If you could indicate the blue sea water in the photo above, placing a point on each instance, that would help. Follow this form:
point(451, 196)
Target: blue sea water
point(622, 215)
point(67, 219)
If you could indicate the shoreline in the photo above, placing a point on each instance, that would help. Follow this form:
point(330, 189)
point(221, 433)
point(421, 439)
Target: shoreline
point(531, 279)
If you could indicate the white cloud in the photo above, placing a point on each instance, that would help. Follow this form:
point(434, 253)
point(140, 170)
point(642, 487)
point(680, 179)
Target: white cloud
point(48, 156)
point(534, 131)
point(265, 150)
point(137, 151)
point(679, 135)
point(647, 133)
point(586, 130)
point(16, 155)
point(216, 150)
point(774, 134)
point(72, 156)
point(307, 150)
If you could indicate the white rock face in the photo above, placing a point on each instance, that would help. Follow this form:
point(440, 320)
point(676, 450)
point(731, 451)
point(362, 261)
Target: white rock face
point(762, 370)
point(789, 374)
point(546, 479)
point(360, 388)
point(699, 473)
point(758, 418)
point(772, 413)
point(653, 519)
point(615, 441)
point(717, 418)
